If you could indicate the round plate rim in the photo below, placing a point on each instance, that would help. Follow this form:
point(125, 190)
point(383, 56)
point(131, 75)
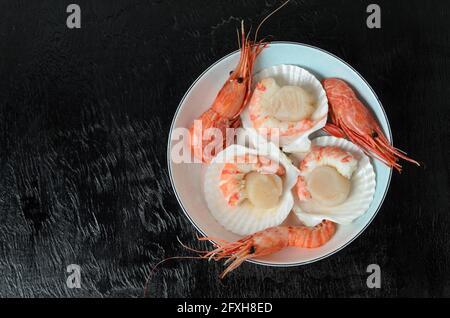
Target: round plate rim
point(169, 166)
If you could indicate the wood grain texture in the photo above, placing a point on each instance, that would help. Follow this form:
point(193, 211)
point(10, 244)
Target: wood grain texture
point(84, 121)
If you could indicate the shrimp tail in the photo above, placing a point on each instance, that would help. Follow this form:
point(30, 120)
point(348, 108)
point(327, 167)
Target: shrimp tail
point(334, 130)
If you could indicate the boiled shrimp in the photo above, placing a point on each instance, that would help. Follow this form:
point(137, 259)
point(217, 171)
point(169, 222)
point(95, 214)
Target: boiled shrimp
point(229, 102)
point(270, 241)
point(259, 244)
point(350, 118)
point(232, 98)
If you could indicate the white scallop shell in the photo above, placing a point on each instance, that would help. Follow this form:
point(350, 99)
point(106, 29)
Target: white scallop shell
point(246, 219)
point(363, 184)
point(296, 76)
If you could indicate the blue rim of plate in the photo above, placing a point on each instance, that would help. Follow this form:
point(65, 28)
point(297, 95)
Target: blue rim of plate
point(262, 262)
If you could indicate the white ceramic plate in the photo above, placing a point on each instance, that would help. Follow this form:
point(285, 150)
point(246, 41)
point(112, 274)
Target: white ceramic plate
point(187, 181)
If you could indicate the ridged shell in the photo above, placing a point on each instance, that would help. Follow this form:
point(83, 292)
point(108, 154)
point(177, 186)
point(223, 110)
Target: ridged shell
point(363, 184)
point(297, 76)
point(246, 219)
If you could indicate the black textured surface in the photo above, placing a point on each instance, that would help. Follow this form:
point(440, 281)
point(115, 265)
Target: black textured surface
point(84, 120)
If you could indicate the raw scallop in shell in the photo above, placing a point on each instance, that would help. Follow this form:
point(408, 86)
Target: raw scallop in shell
point(336, 182)
point(249, 190)
point(288, 102)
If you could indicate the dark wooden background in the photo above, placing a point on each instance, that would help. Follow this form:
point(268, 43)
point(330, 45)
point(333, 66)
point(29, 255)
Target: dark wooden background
point(84, 121)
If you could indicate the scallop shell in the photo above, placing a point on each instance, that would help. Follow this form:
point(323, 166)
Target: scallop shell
point(246, 219)
point(363, 189)
point(296, 76)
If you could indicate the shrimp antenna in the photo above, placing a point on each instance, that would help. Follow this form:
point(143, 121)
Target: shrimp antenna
point(153, 270)
point(202, 255)
point(239, 34)
point(268, 16)
point(190, 248)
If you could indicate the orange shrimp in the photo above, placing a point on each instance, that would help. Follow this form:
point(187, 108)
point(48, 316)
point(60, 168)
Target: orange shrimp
point(350, 118)
point(259, 244)
point(232, 98)
point(269, 241)
point(229, 102)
